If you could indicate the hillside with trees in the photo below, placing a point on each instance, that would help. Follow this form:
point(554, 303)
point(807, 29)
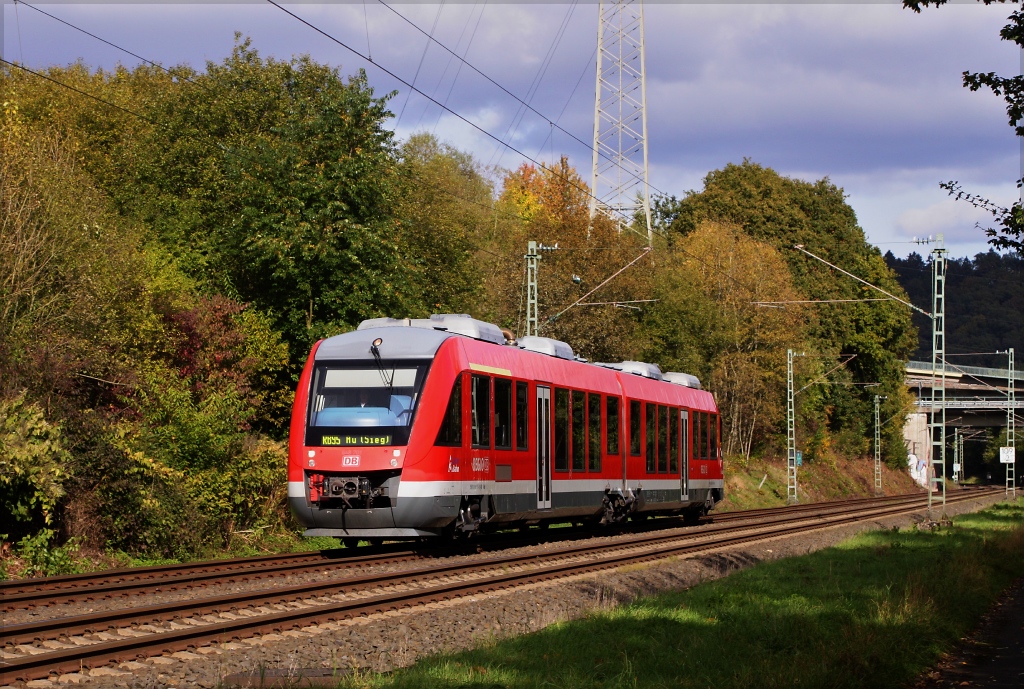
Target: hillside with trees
point(173, 244)
point(984, 304)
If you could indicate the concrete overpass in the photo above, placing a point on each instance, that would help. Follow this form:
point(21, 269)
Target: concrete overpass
point(975, 396)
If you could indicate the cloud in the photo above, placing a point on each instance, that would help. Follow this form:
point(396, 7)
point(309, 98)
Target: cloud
point(956, 220)
point(869, 95)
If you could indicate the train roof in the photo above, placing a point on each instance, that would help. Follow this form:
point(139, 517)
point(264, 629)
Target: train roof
point(432, 332)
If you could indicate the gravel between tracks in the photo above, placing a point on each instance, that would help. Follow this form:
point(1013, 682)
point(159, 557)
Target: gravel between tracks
point(385, 641)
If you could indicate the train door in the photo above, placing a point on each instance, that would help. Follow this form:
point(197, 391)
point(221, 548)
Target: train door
point(684, 454)
point(543, 447)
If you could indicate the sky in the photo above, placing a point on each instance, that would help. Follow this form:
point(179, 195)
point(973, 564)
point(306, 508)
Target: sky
point(865, 93)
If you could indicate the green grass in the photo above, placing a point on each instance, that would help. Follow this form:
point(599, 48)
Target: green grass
point(872, 612)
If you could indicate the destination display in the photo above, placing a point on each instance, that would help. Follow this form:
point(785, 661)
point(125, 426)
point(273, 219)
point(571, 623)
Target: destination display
point(346, 440)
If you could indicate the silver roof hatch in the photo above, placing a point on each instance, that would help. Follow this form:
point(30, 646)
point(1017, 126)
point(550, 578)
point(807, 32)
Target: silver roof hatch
point(455, 323)
point(637, 368)
point(384, 323)
point(682, 379)
point(545, 345)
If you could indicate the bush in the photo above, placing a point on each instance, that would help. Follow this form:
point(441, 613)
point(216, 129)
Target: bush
point(42, 558)
point(33, 463)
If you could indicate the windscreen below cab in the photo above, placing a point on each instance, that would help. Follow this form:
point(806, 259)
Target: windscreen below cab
point(361, 404)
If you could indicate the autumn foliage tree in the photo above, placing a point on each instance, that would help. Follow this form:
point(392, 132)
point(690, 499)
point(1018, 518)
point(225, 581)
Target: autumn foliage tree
point(708, 322)
point(551, 205)
point(874, 337)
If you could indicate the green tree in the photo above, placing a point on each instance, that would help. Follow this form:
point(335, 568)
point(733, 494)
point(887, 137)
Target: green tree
point(293, 177)
point(149, 382)
point(1009, 230)
point(274, 183)
point(445, 200)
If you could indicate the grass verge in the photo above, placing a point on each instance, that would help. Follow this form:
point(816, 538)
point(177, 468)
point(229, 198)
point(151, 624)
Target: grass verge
point(872, 612)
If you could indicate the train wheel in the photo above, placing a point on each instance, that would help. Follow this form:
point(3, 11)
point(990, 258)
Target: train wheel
point(692, 516)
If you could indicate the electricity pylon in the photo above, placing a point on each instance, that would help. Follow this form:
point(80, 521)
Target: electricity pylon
point(619, 182)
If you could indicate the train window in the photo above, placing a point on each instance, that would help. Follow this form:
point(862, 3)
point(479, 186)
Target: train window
point(702, 442)
point(502, 413)
point(561, 429)
point(353, 405)
point(593, 432)
point(662, 439)
point(611, 412)
point(579, 433)
point(481, 411)
point(651, 419)
point(522, 404)
point(634, 428)
point(451, 424)
point(673, 441)
point(713, 450)
point(698, 418)
point(706, 445)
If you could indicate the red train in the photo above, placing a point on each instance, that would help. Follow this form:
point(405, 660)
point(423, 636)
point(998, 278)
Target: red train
point(414, 428)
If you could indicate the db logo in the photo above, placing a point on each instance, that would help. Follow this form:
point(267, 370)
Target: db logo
point(350, 461)
point(453, 465)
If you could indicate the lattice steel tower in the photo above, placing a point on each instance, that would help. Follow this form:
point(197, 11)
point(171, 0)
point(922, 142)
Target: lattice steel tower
point(937, 464)
point(1011, 430)
point(619, 181)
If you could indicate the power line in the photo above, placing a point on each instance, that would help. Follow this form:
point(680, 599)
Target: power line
point(430, 98)
point(423, 57)
point(643, 253)
point(492, 208)
point(158, 124)
point(617, 303)
point(458, 70)
point(84, 93)
point(105, 41)
point(800, 247)
point(158, 66)
point(973, 354)
point(816, 301)
point(191, 81)
point(589, 146)
point(517, 119)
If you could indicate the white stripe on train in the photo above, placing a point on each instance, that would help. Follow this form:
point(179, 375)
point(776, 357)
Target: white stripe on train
point(428, 489)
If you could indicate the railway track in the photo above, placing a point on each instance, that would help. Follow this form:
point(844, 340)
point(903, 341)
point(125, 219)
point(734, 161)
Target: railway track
point(39, 649)
point(30, 593)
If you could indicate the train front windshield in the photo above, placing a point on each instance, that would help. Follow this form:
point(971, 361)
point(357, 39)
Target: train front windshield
point(359, 403)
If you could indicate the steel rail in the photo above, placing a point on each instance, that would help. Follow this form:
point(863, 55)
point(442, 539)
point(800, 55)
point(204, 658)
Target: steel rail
point(150, 573)
point(55, 628)
point(41, 665)
point(30, 593)
point(160, 573)
point(30, 599)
